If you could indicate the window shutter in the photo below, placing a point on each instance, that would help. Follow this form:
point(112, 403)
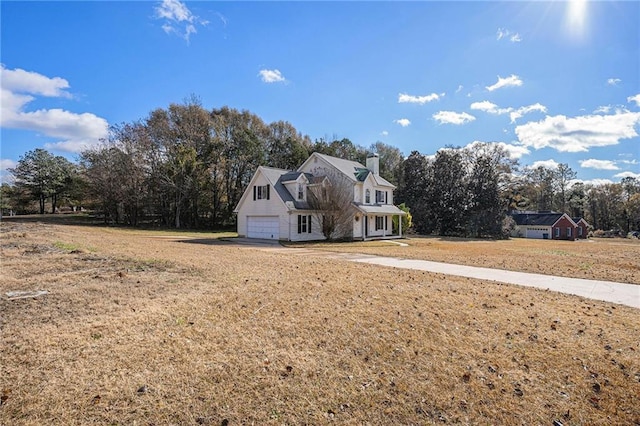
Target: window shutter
point(299, 224)
point(386, 222)
point(254, 192)
point(268, 186)
point(309, 225)
point(386, 197)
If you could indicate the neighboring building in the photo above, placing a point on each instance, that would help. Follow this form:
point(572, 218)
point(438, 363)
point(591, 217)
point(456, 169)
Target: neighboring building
point(582, 230)
point(275, 206)
point(548, 225)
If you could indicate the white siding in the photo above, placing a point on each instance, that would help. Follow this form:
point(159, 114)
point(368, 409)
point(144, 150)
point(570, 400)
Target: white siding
point(273, 207)
point(316, 230)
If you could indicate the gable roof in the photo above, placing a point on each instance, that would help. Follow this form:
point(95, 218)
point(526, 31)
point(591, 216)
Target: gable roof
point(291, 176)
point(538, 219)
point(271, 174)
point(355, 171)
point(286, 196)
point(277, 177)
point(580, 219)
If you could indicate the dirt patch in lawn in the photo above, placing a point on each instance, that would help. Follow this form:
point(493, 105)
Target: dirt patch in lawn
point(597, 259)
point(154, 331)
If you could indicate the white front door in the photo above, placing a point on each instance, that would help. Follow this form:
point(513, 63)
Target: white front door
point(264, 227)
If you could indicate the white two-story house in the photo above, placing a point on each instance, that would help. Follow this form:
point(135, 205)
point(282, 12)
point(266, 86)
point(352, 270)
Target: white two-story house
point(275, 204)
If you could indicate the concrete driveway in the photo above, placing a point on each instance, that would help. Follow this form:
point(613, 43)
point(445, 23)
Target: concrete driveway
point(608, 291)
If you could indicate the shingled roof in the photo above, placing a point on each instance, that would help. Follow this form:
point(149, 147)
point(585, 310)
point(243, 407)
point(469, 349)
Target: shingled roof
point(354, 170)
point(536, 219)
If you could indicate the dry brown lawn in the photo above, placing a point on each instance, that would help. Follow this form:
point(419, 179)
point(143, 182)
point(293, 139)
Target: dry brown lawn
point(138, 329)
point(598, 258)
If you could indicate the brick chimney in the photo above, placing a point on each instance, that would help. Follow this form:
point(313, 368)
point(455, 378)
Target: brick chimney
point(373, 163)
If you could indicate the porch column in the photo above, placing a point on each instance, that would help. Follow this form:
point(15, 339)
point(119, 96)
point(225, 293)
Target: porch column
point(399, 226)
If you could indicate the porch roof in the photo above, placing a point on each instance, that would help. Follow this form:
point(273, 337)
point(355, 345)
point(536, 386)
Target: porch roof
point(379, 209)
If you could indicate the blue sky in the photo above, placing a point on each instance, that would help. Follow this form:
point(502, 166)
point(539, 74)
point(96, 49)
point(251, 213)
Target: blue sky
point(555, 82)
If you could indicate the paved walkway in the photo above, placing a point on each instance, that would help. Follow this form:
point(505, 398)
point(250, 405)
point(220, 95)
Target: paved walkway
point(608, 291)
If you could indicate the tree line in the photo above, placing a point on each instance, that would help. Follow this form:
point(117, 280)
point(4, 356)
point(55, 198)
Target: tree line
point(187, 167)
point(183, 167)
point(469, 192)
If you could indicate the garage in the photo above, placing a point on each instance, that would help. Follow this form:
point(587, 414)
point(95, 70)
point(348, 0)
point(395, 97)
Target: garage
point(542, 233)
point(264, 227)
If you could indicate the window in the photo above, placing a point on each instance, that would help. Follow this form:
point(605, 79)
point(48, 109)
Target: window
point(300, 192)
point(379, 197)
point(367, 196)
point(304, 224)
point(568, 232)
point(557, 232)
point(261, 192)
point(579, 231)
point(379, 222)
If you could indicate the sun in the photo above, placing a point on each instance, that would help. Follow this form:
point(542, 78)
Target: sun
point(576, 18)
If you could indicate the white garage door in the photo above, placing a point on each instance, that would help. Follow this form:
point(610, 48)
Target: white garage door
point(266, 227)
point(538, 233)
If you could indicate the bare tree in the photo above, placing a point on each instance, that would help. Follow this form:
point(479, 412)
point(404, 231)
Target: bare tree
point(331, 200)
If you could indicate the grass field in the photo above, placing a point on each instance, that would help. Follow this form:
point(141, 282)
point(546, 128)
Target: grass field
point(144, 327)
point(597, 258)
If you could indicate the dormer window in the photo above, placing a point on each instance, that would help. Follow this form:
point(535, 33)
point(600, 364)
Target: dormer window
point(367, 196)
point(381, 197)
point(300, 192)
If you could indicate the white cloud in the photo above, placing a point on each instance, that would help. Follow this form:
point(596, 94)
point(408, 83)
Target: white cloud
point(595, 182)
point(460, 87)
point(515, 152)
point(451, 117)
point(271, 76)
point(5, 165)
point(627, 174)
point(178, 19)
point(634, 98)
point(404, 122)
point(518, 113)
point(514, 114)
point(405, 98)
point(631, 162)
point(547, 164)
point(73, 131)
point(511, 81)
point(504, 33)
point(19, 80)
point(603, 109)
point(599, 164)
point(490, 107)
point(613, 81)
point(384, 133)
point(578, 134)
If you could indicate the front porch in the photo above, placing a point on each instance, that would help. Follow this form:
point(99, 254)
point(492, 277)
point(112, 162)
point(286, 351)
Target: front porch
point(377, 222)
